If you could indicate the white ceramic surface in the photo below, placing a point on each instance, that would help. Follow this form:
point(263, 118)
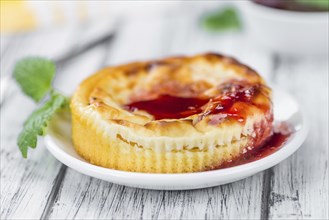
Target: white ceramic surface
point(287, 32)
point(59, 143)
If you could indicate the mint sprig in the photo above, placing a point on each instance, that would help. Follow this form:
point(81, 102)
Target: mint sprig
point(221, 20)
point(34, 75)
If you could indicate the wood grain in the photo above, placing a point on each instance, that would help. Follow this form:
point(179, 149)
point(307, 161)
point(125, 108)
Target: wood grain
point(95, 199)
point(299, 186)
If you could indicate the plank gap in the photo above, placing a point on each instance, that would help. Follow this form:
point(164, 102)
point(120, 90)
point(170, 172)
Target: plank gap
point(85, 48)
point(54, 192)
point(266, 194)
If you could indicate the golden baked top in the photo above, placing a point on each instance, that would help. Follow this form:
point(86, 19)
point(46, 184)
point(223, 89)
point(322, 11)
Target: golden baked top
point(205, 99)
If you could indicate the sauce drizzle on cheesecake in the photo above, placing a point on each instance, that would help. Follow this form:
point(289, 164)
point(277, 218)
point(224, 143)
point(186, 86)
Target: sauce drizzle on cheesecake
point(169, 107)
point(174, 107)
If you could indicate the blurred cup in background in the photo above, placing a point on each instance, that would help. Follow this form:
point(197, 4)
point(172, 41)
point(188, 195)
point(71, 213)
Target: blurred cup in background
point(287, 31)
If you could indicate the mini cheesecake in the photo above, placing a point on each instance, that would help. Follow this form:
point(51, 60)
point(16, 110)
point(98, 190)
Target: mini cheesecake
point(175, 115)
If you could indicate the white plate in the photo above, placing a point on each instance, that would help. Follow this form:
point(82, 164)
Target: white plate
point(59, 143)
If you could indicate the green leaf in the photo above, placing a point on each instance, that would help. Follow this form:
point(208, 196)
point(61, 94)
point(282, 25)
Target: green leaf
point(222, 20)
point(37, 122)
point(34, 75)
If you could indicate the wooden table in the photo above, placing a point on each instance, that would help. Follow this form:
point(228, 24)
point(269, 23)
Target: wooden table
point(42, 187)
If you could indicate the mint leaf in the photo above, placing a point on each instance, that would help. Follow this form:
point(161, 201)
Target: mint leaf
point(34, 75)
point(221, 20)
point(37, 122)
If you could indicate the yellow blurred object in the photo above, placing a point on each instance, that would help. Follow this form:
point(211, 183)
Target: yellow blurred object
point(15, 15)
point(27, 15)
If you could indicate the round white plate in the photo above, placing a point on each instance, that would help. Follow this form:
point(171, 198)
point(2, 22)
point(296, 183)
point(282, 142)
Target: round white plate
point(59, 143)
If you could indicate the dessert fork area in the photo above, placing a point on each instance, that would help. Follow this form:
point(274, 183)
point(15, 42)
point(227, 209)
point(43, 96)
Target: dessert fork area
point(41, 187)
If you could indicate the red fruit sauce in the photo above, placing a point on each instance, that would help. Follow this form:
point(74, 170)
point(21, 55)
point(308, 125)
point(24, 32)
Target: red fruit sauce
point(174, 107)
point(168, 107)
point(274, 143)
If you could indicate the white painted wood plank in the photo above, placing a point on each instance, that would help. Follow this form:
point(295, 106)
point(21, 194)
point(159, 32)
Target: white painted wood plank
point(81, 67)
point(137, 41)
point(27, 184)
point(82, 197)
point(300, 184)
